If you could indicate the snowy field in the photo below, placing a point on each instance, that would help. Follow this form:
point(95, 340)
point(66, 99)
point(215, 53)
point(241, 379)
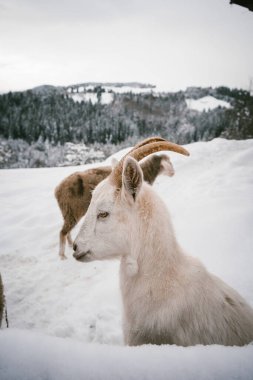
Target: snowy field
point(65, 316)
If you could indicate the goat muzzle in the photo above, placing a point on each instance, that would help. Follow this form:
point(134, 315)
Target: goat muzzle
point(81, 256)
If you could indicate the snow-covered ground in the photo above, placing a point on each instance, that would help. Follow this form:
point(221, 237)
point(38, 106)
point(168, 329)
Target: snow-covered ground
point(65, 316)
point(206, 103)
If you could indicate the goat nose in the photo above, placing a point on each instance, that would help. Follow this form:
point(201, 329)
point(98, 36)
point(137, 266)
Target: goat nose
point(74, 246)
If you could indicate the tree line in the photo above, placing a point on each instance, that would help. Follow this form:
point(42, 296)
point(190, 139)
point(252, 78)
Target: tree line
point(57, 118)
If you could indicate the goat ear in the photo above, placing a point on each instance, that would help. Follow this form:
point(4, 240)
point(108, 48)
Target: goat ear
point(114, 162)
point(132, 177)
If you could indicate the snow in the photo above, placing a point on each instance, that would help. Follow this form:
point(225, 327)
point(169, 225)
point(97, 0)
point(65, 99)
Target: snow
point(80, 154)
point(64, 359)
point(106, 97)
point(126, 89)
point(84, 97)
point(65, 316)
point(206, 103)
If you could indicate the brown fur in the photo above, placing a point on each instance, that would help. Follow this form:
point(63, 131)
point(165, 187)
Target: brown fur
point(153, 166)
point(74, 193)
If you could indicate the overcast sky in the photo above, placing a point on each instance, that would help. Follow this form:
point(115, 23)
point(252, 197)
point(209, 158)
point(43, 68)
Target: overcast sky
point(170, 43)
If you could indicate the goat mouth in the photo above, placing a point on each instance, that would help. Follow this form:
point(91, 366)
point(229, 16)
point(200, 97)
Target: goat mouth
point(83, 256)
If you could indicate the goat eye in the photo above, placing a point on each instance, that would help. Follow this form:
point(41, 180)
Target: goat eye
point(103, 215)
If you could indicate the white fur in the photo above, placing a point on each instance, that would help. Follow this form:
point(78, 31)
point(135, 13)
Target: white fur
point(168, 297)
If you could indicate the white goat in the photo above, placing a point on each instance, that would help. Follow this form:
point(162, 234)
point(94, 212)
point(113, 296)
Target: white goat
point(168, 297)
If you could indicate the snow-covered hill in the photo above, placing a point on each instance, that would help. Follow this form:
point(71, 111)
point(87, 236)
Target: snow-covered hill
point(58, 308)
point(89, 93)
point(206, 103)
point(106, 97)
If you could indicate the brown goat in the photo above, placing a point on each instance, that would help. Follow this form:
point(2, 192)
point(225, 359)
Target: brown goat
point(74, 193)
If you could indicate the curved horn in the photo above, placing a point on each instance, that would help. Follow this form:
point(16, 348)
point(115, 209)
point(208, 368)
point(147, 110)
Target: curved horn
point(148, 149)
point(143, 151)
point(149, 140)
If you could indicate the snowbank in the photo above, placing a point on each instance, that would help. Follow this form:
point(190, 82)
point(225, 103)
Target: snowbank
point(210, 199)
point(29, 356)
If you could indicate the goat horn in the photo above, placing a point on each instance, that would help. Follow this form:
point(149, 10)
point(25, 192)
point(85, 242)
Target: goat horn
point(143, 151)
point(149, 140)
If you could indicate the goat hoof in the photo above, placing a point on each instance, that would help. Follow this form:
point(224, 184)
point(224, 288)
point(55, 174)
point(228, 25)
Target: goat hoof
point(63, 257)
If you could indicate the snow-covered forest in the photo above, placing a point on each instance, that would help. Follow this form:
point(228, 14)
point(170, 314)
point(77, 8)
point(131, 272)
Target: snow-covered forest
point(65, 316)
point(35, 125)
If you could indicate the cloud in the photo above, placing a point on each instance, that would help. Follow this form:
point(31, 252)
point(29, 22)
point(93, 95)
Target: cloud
point(172, 44)
point(59, 11)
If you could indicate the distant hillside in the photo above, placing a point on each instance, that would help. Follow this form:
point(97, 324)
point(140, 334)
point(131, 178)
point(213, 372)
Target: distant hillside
point(112, 113)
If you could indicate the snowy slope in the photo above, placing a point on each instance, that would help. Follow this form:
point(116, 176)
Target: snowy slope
point(87, 93)
point(106, 97)
point(206, 103)
point(211, 203)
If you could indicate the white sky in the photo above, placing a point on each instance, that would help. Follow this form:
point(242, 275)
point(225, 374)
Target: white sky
point(170, 43)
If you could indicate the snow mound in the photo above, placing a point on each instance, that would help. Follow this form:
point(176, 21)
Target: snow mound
point(29, 356)
point(206, 103)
